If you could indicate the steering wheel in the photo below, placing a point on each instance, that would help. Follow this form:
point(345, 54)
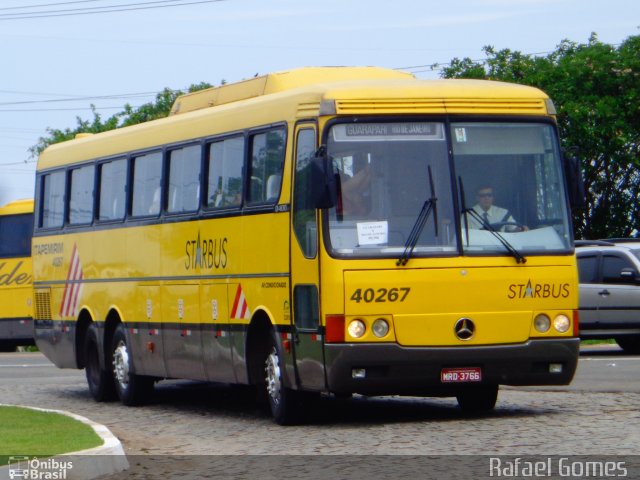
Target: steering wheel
point(517, 227)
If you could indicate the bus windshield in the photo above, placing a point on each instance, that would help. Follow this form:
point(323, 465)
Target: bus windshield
point(507, 178)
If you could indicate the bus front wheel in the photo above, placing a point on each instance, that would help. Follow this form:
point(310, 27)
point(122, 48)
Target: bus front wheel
point(285, 404)
point(479, 399)
point(132, 389)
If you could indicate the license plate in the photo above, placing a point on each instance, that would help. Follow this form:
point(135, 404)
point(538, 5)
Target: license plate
point(461, 375)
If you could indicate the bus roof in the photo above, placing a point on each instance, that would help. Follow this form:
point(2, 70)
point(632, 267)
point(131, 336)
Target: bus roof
point(279, 82)
point(299, 94)
point(17, 207)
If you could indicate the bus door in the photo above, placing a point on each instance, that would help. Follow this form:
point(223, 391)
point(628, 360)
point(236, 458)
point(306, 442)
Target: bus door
point(307, 333)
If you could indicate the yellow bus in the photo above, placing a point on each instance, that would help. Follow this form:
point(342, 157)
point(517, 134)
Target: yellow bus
point(313, 232)
point(16, 289)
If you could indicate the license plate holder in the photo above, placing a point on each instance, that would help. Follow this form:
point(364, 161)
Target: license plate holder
point(461, 375)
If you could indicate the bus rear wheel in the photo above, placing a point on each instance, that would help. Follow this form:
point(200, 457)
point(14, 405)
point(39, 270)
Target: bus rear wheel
point(285, 404)
point(132, 389)
point(478, 399)
point(100, 381)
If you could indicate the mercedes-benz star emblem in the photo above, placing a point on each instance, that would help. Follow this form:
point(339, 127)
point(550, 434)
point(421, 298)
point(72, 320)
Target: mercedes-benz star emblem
point(465, 329)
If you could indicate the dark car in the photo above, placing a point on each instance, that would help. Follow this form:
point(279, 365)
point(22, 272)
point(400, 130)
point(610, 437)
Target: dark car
point(610, 291)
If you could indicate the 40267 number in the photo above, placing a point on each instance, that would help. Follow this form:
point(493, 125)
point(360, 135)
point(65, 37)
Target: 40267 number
point(372, 295)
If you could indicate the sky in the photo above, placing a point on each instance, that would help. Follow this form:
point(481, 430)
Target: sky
point(58, 59)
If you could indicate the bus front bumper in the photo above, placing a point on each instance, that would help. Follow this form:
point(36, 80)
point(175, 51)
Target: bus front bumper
point(390, 369)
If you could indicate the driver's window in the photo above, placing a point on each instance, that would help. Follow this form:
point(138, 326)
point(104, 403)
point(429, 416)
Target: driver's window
point(304, 211)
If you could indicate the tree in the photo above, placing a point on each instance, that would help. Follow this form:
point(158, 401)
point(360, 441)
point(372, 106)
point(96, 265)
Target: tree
point(596, 90)
point(129, 116)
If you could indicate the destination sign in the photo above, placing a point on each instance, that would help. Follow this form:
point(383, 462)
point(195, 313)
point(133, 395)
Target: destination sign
point(359, 132)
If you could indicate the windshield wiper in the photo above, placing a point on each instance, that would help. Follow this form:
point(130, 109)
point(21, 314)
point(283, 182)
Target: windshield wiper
point(428, 207)
point(487, 226)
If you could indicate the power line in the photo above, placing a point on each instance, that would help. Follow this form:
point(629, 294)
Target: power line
point(49, 4)
point(20, 92)
point(439, 66)
point(106, 9)
point(86, 9)
point(13, 163)
point(81, 99)
point(69, 98)
point(2, 110)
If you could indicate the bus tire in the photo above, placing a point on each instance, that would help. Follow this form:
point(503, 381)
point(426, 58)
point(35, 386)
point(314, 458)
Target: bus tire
point(285, 404)
point(100, 380)
point(478, 399)
point(132, 389)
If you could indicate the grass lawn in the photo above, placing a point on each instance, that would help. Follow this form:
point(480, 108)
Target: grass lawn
point(596, 342)
point(33, 433)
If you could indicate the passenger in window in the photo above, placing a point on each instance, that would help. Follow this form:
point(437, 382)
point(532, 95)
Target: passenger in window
point(490, 215)
point(154, 209)
point(356, 190)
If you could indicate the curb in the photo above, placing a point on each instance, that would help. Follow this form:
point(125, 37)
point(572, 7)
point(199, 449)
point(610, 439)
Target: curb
point(106, 459)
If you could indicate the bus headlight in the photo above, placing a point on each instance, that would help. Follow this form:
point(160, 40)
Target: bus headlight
point(562, 323)
point(380, 328)
point(356, 328)
point(542, 323)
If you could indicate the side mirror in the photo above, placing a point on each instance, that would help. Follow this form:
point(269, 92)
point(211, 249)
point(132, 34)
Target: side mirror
point(630, 275)
point(575, 182)
point(324, 185)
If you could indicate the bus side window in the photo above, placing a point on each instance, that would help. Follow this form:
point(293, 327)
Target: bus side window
point(113, 178)
point(147, 192)
point(15, 235)
point(266, 163)
point(81, 195)
point(53, 186)
point(184, 179)
point(224, 185)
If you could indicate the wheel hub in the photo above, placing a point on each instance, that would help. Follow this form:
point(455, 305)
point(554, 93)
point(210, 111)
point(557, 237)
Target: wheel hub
point(272, 370)
point(121, 364)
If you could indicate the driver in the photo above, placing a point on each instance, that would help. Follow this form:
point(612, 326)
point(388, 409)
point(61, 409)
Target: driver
point(492, 214)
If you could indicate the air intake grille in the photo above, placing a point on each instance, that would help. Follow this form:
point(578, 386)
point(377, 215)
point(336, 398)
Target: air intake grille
point(43, 304)
point(448, 105)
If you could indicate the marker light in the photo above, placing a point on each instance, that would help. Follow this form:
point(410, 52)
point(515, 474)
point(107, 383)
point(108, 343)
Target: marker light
point(561, 323)
point(542, 323)
point(334, 332)
point(380, 327)
point(356, 328)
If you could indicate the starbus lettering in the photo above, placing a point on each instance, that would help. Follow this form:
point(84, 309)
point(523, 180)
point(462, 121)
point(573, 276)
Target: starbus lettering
point(538, 290)
point(15, 277)
point(206, 253)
